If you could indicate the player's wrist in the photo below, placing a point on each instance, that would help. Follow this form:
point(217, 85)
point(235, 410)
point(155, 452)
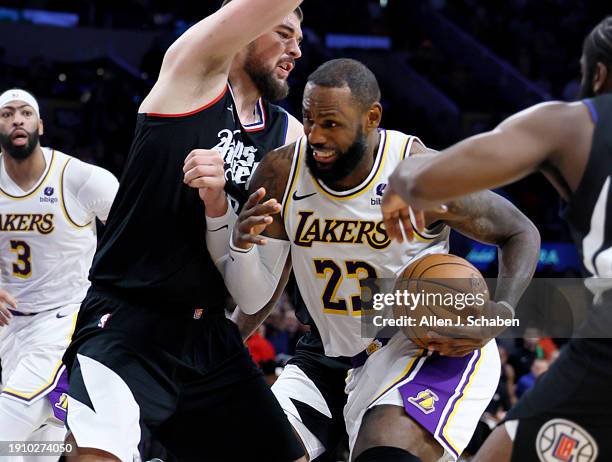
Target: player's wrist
point(216, 204)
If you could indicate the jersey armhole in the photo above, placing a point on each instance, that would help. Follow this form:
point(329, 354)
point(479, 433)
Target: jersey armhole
point(63, 200)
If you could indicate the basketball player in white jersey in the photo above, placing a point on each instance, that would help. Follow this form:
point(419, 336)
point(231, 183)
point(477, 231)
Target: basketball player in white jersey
point(48, 205)
point(330, 231)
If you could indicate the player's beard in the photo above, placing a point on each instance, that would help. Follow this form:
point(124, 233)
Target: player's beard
point(269, 87)
point(345, 164)
point(19, 152)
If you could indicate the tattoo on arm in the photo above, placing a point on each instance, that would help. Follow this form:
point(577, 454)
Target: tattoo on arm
point(273, 174)
point(489, 218)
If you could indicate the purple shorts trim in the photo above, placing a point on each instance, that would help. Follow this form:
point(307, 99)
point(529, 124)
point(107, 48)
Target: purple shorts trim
point(434, 391)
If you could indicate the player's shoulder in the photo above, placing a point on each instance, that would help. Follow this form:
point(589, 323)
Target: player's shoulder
point(275, 167)
point(410, 143)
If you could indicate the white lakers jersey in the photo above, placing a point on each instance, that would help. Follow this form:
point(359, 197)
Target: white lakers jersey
point(45, 252)
point(338, 238)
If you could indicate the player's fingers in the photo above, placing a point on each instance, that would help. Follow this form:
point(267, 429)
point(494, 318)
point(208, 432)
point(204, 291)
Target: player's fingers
point(202, 171)
point(5, 316)
point(251, 238)
point(251, 225)
point(7, 298)
point(419, 219)
point(270, 207)
point(404, 215)
point(254, 198)
point(391, 221)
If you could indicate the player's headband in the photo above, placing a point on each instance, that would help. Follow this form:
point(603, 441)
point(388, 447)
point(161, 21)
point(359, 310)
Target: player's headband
point(19, 95)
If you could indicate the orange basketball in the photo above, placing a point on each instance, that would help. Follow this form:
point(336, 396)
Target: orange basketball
point(445, 289)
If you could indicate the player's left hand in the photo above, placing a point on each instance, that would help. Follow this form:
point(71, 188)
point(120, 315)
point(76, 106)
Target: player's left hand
point(204, 171)
point(453, 346)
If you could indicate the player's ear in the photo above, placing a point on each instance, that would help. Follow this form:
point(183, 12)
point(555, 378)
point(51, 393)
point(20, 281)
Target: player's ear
point(41, 127)
point(374, 115)
point(600, 77)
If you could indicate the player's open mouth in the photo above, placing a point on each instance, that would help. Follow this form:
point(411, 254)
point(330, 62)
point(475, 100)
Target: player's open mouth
point(19, 137)
point(324, 157)
point(285, 69)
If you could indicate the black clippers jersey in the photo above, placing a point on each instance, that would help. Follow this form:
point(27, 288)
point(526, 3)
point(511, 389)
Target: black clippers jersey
point(589, 212)
point(153, 248)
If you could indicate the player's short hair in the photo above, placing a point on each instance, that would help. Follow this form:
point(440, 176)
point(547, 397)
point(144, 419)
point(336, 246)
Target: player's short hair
point(298, 11)
point(598, 44)
point(351, 73)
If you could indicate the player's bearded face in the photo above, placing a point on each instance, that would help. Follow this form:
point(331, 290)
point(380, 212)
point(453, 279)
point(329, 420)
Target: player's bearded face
point(264, 74)
point(347, 160)
point(19, 143)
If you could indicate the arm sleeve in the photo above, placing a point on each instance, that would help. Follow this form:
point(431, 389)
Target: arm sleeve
point(252, 276)
point(218, 235)
point(93, 188)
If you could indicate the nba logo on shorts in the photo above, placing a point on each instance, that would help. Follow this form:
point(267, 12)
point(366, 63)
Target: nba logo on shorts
point(561, 440)
point(425, 401)
point(104, 320)
point(48, 191)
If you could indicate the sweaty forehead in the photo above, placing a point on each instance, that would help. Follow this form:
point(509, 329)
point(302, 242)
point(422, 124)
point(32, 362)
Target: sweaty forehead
point(327, 100)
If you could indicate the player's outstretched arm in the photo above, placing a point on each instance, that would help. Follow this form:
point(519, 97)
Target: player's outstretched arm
point(252, 272)
point(516, 148)
point(197, 64)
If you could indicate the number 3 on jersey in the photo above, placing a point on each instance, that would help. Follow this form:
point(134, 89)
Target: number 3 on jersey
point(354, 269)
point(22, 268)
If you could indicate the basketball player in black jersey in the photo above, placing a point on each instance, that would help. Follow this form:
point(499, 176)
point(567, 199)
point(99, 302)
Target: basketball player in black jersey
point(567, 416)
point(153, 349)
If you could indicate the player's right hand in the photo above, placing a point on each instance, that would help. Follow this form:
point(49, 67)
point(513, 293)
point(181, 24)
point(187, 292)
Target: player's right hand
point(253, 220)
point(203, 170)
point(6, 301)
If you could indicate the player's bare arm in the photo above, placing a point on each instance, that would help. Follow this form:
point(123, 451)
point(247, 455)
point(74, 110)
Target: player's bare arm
point(520, 145)
point(489, 218)
point(195, 67)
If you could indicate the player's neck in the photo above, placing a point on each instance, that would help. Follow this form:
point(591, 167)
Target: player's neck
point(245, 94)
point(364, 168)
point(25, 172)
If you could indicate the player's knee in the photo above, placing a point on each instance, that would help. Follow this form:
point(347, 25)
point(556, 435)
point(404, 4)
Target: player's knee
point(385, 454)
point(390, 426)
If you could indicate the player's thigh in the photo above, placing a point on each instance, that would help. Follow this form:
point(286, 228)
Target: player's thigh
point(236, 422)
point(115, 388)
point(446, 396)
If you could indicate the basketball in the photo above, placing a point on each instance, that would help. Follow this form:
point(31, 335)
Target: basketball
point(444, 289)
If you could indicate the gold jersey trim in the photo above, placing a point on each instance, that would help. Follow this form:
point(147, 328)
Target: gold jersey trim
point(37, 187)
